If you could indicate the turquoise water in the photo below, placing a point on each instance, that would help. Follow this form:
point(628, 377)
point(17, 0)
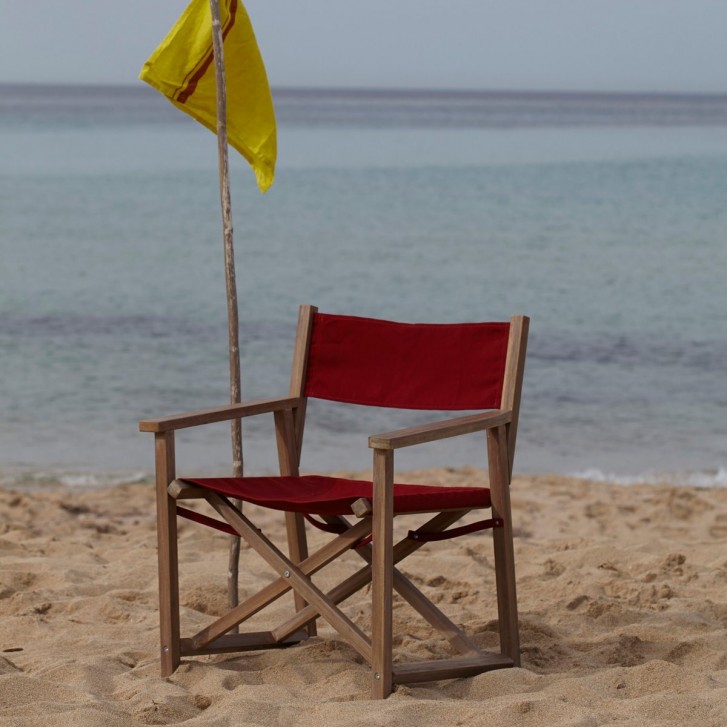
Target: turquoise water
point(605, 222)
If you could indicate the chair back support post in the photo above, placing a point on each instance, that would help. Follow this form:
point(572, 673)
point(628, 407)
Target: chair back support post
point(288, 456)
point(286, 444)
point(306, 314)
point(498, 464)
point(289, 428)
point(513, 381)
point(382, 565)
point(167, 553)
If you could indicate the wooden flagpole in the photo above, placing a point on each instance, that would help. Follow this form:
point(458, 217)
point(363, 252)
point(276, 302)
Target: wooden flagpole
point(230, 282)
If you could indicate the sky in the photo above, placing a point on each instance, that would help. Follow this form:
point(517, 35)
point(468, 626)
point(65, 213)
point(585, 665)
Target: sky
point(571, 45)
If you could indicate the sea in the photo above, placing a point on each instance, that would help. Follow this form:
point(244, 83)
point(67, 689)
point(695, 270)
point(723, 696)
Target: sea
point(601, 216)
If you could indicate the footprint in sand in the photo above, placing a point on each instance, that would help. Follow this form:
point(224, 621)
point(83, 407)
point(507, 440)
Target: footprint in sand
point(719, 529)
point(8, 667)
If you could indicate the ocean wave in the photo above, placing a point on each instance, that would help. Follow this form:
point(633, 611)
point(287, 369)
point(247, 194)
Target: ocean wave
point(26, 480)
point(705, 478)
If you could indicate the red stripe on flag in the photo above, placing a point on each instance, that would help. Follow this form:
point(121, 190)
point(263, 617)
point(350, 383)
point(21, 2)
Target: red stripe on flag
point(190, 84)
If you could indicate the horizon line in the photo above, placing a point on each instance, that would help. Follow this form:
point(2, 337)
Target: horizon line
point(393, 91)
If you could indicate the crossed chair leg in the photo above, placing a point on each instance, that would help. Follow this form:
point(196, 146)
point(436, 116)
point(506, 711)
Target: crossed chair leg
point(313, 603)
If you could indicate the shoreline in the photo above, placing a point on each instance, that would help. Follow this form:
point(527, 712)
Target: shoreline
point(23, 479)
point(622, 594)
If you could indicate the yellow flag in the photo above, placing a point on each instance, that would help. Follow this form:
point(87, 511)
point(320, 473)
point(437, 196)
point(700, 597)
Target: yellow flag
point(182, 68)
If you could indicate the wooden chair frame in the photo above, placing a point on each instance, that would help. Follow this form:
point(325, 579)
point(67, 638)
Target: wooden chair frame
point(375, 520)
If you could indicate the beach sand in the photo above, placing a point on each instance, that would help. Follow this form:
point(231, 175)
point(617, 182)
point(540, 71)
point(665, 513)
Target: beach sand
point(622, 594)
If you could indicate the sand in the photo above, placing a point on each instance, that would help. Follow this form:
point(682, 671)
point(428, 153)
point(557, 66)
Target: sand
point(623, 609)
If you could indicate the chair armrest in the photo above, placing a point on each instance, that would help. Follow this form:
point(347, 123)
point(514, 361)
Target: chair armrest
point(219, 414)
point(439, 430)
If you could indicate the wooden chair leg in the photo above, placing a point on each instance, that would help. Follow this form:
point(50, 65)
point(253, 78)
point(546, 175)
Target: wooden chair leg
point(167, 553)
point(288, 457)
point(382, 567)
point(503, 544)
point(298, 552)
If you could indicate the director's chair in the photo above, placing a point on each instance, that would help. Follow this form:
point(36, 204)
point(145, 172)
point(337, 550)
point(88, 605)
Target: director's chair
point(446, 367)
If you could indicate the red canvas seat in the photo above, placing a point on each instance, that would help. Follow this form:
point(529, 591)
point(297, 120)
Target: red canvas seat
point(470, 366)
point(318, 495)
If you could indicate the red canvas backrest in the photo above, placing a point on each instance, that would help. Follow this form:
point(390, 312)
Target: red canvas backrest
point(406, 365)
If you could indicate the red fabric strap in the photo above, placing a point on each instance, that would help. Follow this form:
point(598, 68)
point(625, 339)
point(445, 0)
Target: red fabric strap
point(425, 537)
point(407, 365)
point(210, 522)
point(335, 528)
